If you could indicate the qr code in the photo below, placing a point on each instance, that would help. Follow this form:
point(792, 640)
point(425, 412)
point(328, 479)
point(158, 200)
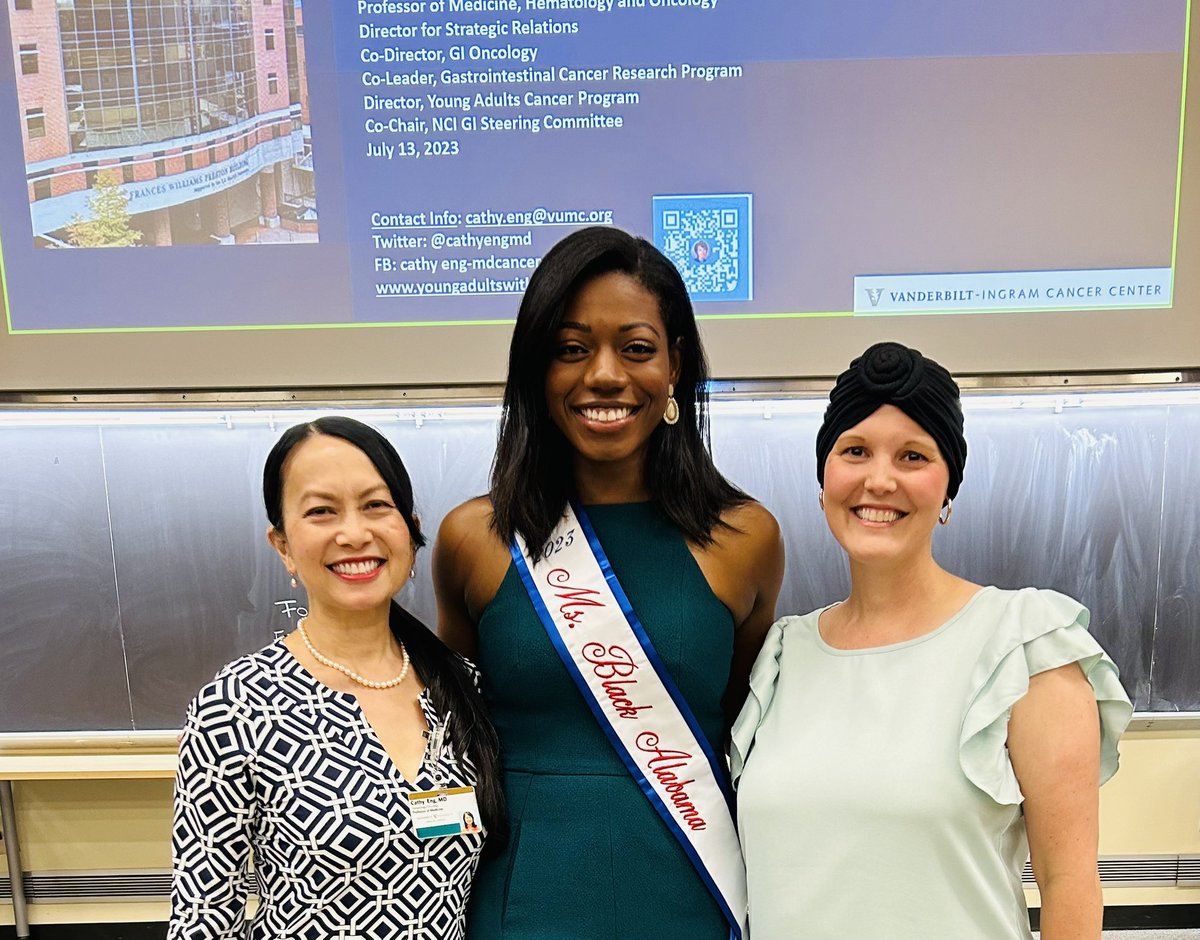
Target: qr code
point(708, 239)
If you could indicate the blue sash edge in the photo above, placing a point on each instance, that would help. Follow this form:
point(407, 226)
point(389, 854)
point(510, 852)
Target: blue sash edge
point(660, 668)
point(631, 766)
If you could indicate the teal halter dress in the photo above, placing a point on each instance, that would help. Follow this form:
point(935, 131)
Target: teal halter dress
point(588, 857)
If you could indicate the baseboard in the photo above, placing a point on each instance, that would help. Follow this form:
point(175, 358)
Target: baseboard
point(1134, 917)
point(1118, 871)
point(1142, 917)
point(1152, 915)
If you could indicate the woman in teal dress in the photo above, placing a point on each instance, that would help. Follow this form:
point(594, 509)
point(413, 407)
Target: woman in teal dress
point(604, 406)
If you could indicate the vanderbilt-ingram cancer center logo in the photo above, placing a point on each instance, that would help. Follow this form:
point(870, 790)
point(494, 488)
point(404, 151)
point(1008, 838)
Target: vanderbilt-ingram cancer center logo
point(873, 295)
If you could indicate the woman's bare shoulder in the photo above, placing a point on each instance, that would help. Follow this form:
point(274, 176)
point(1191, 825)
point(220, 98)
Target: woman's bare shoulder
point(751, 543)
point(469, 559)
point(468, 522)
point(744, 563)
point(749, 525)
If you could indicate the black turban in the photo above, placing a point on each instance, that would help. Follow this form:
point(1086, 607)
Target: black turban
point(892, 374)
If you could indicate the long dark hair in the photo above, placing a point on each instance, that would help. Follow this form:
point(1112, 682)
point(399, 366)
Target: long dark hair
point(531, 475)
point(448, 679)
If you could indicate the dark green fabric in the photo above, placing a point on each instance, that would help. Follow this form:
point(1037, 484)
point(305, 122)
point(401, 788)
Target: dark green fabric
point(589, 858)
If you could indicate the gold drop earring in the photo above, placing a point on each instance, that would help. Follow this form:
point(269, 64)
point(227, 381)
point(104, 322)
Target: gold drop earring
point(671, 415)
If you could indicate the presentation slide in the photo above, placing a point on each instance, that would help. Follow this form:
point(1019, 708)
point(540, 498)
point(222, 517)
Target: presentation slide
point(223, 164)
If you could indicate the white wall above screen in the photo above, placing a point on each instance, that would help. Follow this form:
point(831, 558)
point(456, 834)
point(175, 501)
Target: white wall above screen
point(825, 175)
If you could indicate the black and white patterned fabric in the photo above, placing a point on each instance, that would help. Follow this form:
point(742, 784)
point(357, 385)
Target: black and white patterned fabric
point(276, 765)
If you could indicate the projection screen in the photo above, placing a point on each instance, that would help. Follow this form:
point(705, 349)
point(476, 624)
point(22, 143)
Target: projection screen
point(277, 193)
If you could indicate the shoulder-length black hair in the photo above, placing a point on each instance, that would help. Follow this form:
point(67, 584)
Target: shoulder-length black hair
point(446, 675)
point(532, 475)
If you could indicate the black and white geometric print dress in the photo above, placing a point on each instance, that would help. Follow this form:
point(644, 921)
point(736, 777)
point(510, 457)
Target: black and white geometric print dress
point(276, 765)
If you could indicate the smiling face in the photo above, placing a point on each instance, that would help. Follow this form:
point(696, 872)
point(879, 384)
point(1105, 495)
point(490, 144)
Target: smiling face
point(606, 385)
point(343, 536)
point(885, 484)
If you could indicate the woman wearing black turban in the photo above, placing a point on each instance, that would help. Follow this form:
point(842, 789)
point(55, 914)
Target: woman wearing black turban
point(903, 752)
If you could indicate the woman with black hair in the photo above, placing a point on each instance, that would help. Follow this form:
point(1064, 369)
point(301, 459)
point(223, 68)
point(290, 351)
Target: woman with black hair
point(346, 755)
point(615, 589)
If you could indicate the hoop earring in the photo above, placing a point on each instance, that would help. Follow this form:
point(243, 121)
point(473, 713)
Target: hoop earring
point(671, 415)
point(947, 511)
point(821, 498)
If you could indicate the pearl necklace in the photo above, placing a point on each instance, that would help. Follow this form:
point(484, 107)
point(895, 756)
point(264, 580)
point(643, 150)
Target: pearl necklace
point(326, 661)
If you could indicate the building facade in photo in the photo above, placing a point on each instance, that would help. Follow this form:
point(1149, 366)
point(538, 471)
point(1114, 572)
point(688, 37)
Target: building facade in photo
point(194, 111)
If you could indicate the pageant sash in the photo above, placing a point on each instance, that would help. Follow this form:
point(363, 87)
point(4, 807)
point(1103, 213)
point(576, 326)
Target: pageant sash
point(636, 702)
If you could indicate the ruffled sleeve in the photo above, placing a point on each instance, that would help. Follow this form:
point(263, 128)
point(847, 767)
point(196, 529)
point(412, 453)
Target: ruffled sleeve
point(1035, 631)
point(763, 678)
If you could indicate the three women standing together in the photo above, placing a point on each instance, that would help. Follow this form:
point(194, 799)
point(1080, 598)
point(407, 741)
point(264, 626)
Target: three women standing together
point(615, 591)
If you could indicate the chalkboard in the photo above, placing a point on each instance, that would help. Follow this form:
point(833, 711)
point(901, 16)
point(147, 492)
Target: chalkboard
point(133, 561)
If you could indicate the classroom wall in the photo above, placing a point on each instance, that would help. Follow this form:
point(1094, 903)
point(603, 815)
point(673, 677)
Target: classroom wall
point(1087, 493)
point(1151, 808)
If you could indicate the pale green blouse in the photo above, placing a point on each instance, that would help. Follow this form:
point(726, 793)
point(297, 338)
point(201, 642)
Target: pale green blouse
point(876, 800)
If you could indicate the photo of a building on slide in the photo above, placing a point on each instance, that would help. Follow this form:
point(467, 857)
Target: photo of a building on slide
point(164, 122)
